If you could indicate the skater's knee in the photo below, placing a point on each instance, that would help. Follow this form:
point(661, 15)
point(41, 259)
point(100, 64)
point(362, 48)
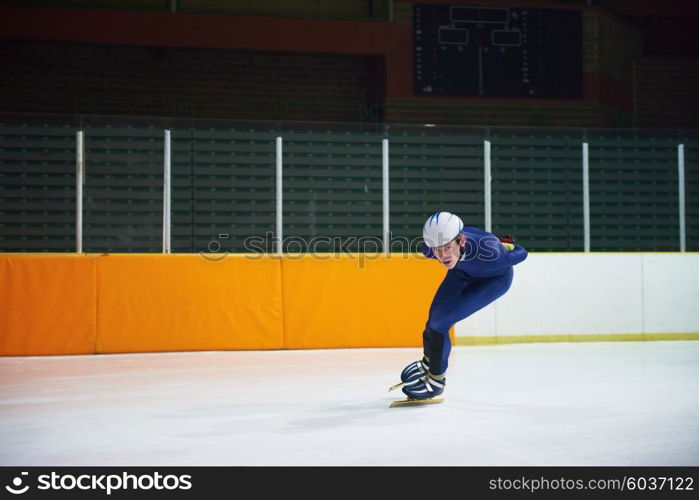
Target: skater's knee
point(440, 325)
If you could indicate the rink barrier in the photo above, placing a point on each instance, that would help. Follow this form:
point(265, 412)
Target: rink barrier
point(47, 305)
point(567, 297)
point(119, 303)
point(54, 304)
point(537, 339)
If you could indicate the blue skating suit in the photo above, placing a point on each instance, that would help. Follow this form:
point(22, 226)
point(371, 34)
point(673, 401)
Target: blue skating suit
point(483, 274)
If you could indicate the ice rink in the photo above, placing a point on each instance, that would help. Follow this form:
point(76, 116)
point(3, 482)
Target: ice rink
point(565, 404)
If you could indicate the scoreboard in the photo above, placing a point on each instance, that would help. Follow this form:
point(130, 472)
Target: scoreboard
point(471, 50)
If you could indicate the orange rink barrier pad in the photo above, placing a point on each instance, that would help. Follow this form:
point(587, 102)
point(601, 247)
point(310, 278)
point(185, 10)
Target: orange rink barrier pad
point(54, 304)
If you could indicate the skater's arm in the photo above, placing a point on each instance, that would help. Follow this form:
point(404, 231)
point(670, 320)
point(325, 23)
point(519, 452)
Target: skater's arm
point(517, 254)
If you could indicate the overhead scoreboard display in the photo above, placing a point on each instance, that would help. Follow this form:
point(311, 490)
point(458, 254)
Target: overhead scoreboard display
point(471, 50)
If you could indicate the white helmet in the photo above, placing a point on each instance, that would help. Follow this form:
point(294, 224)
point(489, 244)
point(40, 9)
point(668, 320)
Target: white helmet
point(441, 228)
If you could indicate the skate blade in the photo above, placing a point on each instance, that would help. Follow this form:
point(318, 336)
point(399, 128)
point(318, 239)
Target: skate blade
point(397, 386)
point(417, 402)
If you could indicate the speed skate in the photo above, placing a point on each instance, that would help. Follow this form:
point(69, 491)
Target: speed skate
point(417, 402)
point(412, 402)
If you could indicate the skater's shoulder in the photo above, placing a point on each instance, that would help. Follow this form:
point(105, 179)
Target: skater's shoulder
point(475, 232)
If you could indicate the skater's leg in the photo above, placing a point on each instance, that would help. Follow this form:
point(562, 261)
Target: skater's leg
point(457, 298)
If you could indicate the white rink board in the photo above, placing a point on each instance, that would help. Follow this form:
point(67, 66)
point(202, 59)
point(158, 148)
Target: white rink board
point(671, 293)
point(605, 293)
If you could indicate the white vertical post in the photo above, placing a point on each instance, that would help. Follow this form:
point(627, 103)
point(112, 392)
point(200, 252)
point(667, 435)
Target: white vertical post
point(386, 201)
point(680, 182)
point(79, 181)
point(280, 233)
point(167, 165)
point(487, 178)
point(586, 196)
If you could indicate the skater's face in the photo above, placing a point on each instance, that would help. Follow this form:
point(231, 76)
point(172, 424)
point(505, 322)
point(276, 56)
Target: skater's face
point(448, 255)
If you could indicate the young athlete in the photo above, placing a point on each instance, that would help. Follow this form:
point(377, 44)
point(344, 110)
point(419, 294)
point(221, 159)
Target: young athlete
point(479, 270)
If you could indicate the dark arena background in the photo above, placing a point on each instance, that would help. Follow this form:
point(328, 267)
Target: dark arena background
point(211, 224)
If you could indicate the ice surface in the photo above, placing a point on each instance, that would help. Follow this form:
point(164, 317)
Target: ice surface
point(624, 403)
